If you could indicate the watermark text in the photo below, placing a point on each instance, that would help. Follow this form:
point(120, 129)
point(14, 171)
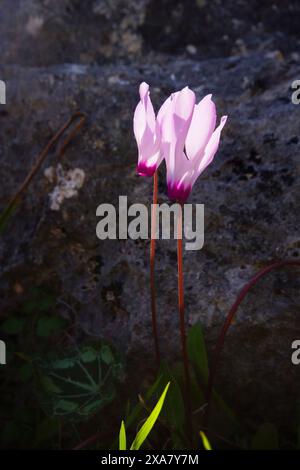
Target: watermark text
point(2, 352)
point(2, 92)
point(133, 222)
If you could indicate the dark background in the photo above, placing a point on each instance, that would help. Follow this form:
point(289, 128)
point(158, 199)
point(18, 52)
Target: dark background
point(58, 57)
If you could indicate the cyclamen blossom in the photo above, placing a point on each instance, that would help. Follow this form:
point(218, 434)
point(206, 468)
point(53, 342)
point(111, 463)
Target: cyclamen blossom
point(183, 134)
point(189, 140)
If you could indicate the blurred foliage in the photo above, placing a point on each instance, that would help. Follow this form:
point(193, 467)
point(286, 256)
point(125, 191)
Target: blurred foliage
point(59, 392)
point(48, 379)
point(176, 430)
point(79, 383)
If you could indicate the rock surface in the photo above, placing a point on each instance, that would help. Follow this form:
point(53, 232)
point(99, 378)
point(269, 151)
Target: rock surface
point(251, 192)
point(49, 32)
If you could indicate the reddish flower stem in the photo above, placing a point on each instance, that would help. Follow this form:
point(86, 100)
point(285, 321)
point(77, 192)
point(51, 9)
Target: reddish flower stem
point(181, 310)
point(152, 266)
point(229, 318)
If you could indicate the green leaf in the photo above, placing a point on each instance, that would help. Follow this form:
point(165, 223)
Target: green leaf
point(266, 438)
point(66, 405)
point(73, 384)
point(106, 355)
point(88, 355)
point(174, 409)
point(67, 363)
point(148, 425)
point(49, 385)
point(134, 414)
point(122, 437)
point(175, 404)
point(197, 352)
point(92, 407)
point(49, 325)
point(226, 409)
point(13, 325)
point(198, 357)
point(205, 441)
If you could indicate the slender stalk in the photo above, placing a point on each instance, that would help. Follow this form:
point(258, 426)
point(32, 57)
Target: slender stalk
point(229, 318)
point(181, 309)
point(152, 266)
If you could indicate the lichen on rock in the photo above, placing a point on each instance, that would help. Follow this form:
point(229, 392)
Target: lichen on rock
point(68, 182)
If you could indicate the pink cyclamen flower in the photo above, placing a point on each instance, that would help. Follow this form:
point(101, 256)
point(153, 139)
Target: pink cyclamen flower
point(147, 134)
point(189, 139)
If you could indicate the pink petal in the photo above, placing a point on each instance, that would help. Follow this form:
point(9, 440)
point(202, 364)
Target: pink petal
point(139, 122)
point(146, 133)
point(184, 104)
point(146, 101)
point(180, 186)
point(210, 149)
point(183, 113)
point(143, 90)
point(201, 128)
point(175, 118)
point(164, 109)
point(167, 132)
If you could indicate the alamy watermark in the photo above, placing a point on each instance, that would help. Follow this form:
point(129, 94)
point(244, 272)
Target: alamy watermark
point(296, 94)
point(295, 358)
point(2, 343)
point(2, 92)
point(2, 353)
point(133, 222)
